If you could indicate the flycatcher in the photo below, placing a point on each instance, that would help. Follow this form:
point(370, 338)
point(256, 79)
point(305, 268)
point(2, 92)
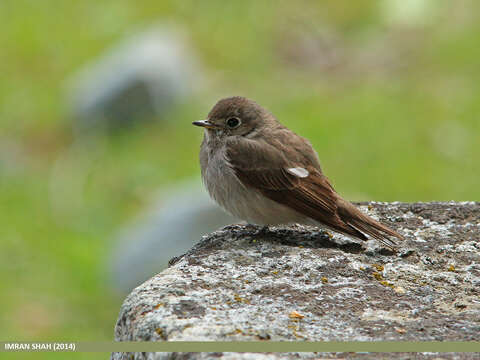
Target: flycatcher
point(261, 172)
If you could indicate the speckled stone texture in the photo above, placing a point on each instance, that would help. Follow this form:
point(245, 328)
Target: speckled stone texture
point(300, 283)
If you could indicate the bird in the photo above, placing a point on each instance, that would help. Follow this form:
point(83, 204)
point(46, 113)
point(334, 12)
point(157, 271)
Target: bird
point(260, 171)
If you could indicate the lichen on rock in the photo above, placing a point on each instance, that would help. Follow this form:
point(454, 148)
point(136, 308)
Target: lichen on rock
point(240, 283)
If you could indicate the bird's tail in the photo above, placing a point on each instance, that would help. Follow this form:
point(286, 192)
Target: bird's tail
point(365, 224)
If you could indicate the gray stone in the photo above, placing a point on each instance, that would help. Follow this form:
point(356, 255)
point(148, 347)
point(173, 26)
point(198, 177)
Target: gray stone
point(141, 77)
point(180, 216)
point(299, 283)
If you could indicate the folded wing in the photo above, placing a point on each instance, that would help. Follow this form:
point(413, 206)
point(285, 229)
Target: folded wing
point(302, 187)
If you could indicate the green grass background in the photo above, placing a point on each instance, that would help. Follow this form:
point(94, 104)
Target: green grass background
point(394, 116)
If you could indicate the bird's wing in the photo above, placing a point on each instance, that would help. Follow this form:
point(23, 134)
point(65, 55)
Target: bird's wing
point(300, 186)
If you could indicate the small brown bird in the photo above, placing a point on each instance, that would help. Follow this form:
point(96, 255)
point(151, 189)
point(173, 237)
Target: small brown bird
point(262, 172)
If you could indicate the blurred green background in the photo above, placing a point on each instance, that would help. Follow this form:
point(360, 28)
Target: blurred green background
point(387, 92)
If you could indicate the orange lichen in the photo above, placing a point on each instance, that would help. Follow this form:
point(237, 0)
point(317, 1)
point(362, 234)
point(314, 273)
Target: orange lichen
point(296, 315)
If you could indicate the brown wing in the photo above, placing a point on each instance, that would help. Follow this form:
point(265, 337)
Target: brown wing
point(265, 169)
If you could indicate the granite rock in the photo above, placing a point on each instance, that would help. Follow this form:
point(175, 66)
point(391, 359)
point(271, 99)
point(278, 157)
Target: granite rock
point(300, 283)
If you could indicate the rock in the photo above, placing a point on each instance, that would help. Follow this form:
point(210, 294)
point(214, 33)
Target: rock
point(139, 78)
point(299, 283)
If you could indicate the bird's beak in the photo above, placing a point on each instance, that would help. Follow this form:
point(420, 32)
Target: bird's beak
point(205, 123)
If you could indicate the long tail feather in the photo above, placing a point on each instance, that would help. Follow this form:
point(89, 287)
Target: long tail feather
point(365, 224)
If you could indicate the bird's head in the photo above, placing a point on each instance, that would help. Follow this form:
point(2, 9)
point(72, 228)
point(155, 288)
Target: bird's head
point(236, 116)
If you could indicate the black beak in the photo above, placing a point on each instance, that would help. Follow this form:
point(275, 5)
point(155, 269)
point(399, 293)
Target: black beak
point(205, 123)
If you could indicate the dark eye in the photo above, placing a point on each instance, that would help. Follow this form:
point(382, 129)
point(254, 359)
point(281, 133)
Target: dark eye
point(233, 122)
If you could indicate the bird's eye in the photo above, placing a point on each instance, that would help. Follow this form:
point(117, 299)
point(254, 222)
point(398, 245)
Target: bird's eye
point(233, 122)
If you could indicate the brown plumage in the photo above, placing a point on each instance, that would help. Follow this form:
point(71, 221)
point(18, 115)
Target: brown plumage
point(268, 160)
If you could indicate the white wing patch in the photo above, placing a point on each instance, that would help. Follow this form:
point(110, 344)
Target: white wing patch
point(298, 171)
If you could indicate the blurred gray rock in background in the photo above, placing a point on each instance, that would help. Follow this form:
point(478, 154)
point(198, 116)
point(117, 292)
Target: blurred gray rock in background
point(140, 78)
point(175, 223)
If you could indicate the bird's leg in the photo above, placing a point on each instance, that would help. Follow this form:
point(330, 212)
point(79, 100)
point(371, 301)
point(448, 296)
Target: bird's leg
point(257, 232)
point(263, 231)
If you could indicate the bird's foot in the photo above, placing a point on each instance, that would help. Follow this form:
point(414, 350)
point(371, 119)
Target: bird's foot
point(264, 230)
point(257, 231)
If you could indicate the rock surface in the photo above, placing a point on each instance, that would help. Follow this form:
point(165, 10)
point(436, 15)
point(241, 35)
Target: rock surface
point(300, 283)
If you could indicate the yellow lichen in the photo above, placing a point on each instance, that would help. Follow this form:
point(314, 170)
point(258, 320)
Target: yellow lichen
point(386, 283)
point(377, 276)
point(378, 267)
point(238, 298)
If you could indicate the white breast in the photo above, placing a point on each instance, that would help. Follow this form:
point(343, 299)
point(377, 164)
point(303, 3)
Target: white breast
point(243, 202)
